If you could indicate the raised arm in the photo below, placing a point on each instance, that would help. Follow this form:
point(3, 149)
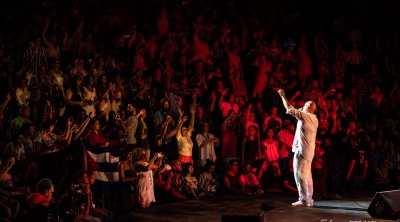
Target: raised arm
point(4, 104)
point(221, 99)
point(293, 98)
point(8, 165)
point(192, 115)
point(213, 99)
point(179, 126)
point(83, 126)
point(132, 39)
point(158, 162)
point(71, 132)
point(152, 164)
point(351, 167)
point(224, 41)
point(46, 26)
point(285, 102)
point(164, 129)
point(67, 132)
point(227, 121)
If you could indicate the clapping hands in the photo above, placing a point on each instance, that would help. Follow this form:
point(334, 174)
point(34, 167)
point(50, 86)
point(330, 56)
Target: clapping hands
point(159, 155)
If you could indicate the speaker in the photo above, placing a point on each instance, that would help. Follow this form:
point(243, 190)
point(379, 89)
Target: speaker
point(385, 205)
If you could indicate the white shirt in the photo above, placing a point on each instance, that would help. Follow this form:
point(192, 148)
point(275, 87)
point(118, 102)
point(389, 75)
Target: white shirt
point(306, 132)
point(271, 150)
point(207, 151)
point(185, 145)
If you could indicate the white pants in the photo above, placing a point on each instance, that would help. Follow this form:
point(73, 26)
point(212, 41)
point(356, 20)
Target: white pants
point(303, 177)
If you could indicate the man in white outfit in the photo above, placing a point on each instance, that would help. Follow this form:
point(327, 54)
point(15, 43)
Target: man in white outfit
point(303, 148)
point(206, 142)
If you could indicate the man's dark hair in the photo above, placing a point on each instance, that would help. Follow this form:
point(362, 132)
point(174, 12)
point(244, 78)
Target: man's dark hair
point(44, 185)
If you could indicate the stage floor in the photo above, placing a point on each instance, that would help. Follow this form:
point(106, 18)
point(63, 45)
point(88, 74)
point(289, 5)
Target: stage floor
point(352, 208)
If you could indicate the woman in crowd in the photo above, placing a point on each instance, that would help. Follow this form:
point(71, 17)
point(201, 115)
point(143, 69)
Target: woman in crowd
point(47, 139)
point(250, 151)
point(185, 143)
point(89, 95)
point(128, 180)
point(144, 171)
point(142, 133)
point(190, 183)
point(232, 183)
point(270, 149)
point(249, 181)
point(57, 93)
point(74, 97)
point(208, 179)
point(174, 182)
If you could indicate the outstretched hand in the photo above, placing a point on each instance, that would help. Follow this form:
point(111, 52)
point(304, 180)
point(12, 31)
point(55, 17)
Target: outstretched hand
point(9, 96)
point(92, 114)
point(142, 112)
point(192, 109)
point(281, 92)
point(180, 112)
point(169, 119)
point(185, 118)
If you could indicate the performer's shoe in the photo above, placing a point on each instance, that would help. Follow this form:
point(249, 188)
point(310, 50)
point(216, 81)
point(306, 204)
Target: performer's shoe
point(298, 204)
point(301, 204)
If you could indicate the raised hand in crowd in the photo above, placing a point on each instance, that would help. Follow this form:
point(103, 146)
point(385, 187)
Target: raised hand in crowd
point(4, 105)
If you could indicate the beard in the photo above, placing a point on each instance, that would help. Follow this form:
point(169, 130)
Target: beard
point(130, 113)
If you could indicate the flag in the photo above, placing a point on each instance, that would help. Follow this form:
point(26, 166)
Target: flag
point(103, 162)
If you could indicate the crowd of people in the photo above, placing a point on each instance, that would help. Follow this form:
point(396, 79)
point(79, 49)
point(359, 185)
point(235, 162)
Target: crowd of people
point(182, 96)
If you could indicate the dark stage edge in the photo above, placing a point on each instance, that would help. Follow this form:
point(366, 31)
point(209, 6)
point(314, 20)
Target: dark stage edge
point(352, 208)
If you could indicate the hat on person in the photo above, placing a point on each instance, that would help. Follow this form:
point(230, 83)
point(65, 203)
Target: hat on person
point(44, 184)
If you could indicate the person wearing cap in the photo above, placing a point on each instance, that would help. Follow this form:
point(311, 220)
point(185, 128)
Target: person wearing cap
point(39, 201)
point(303, 147)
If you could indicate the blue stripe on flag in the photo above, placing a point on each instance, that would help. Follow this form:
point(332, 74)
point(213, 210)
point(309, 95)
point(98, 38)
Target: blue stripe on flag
point(107, 159)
